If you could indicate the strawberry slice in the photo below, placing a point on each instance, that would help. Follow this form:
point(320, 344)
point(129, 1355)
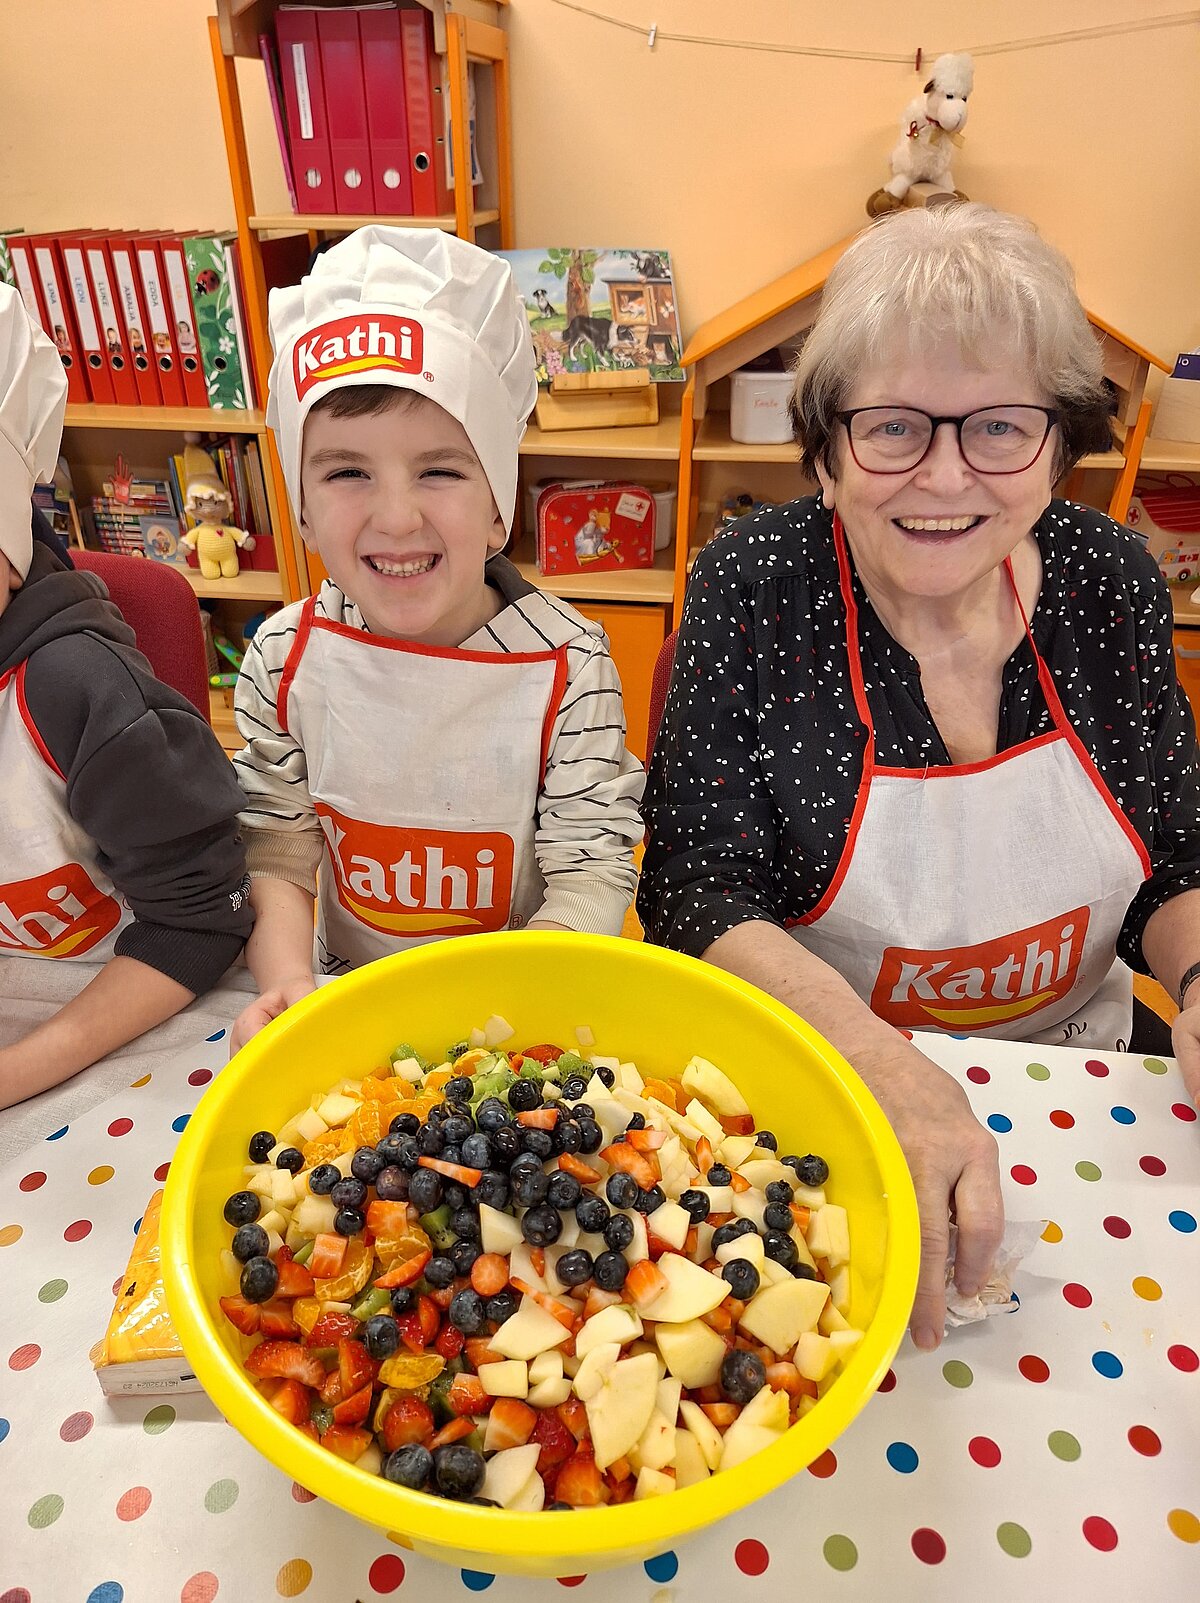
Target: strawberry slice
point(542, 1053)
point(480, 1352)
point(405, 1272)
point(354, 1409)
point(242, 1315)
point(579, 1482)
point(455, 1431)
point(644, 1282)
point(704, 1155)
point(295, 1280)
point(356, 1367)
point(289, 1398)
point(722, 1414)
point(419, 1327)
point(328, 1255)
point(407, 1420)
point(738, 1182)
point(583, 1172)
point(555, 1440)
point(460, 1173)
point(574, 1416)
point(467, 1396)
point(511, 1423)
point(277, 1319)
point(449, 1341)
point(643, 1166)
point(489, 1273)
point(597, 1299)
point(347, 1441)
point(387, 1218)
point(538, 1118)
point(331, 1328)
point(646, 1140)
point(737, 1123)
point(288, 1360)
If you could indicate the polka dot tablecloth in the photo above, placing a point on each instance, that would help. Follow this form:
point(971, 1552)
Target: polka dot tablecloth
point(1053, 1452)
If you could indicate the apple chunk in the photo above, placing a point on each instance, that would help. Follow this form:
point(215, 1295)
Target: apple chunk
point(620, 1411)
point(779, 1315)
point(704, 1079)
point(691, 1351)
point(690, 1291)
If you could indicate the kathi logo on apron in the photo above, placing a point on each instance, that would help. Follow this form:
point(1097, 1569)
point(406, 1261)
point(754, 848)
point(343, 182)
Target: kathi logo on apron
point(414, 882)
point(973, 987)
point(60, 914)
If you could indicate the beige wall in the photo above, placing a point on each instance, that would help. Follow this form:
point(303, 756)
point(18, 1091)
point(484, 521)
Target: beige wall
point(742, 163)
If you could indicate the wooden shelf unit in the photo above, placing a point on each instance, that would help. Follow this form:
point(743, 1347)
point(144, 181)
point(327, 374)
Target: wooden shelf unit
point(1171, 456)
point(343, 223)
point(250, 585)
point(87, 415)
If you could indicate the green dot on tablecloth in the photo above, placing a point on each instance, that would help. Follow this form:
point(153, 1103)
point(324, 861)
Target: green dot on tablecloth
point(45, 1511)
point(221, 1495)
point(1155, 1065)
point(52, 1291)
point(1014, 1539)
point(1037, 1071)
point(957, 1373)
point(1063, 1445)
point(159, 1419)
point(840, 1553)
point(1087, 1171)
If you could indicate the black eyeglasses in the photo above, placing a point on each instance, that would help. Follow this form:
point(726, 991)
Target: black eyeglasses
point(996, 439)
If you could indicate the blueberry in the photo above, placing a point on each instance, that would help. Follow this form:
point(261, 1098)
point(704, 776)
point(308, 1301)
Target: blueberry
point(574, 1267)
point(573, 1087)
point(454, 1195)
point(323, 1178)
point(803, 1271)
point(465, 1224)
point(457, 1128)
point(530, 1187)
point(637, 1121)
point(621, 1189)
point(250, 1241)
point(458, 1470)
point(719, 1175)
point(780, 1247)
point(742, 1278)
point(696, 1205)
point(779, 1191)
point(542, 1226)
point(523, 1162)
point(392, 1184)
point(243, 1208)
point(524, 1096)
point(348, 1193)
point(404, 1124)
point(777, 1216)
point(408, 1153)
point(403, 1300)
point(503, 1305)
point(430, 1140)
point(291, 1159)
point(477, 1150)
point(607, 1077)
point(591, 1136)
point(261, 1143)
point(812, 1171)
point(425, 1190)
point(493, 1189)
point(566, 1137)
point(731, 1231)
point(409, 1466)
point(618, 1232)
point(458, 1089)
point(463, 1254)
point(765, 1138)
point(491, 1115)
point(506, 1143)
point(349, 1221)
point(451, 1154)
point(743, 1375)
point(259, 1280)
point(565, 1191)
point(380, 1336)
point(592, 1213)
point(439, 1272)
point(650, 1201)
point(467, 1313)
point(609, 1271)
point(539, 1142)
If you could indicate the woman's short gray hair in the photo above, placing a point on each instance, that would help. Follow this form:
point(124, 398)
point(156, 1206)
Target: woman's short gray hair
point(984, 276)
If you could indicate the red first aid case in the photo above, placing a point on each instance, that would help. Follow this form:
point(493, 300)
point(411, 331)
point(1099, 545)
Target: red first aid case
point(585, 526)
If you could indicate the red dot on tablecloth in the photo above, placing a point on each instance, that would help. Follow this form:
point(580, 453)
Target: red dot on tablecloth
point(1181, 1110)
point(824, 1466)
point(78, 1230)
point(1183, 1358)
point(1118, 1227)
point(32, 1182)
point(1023, 1174)
point(16, 1594)
point(1078, 1296)
point(751, 1557)
point(1099, 1533)
point(978, 1076)
point(1145, 1441)
point(200, 1588)
point(984, 1451)
point(161, 1172)
point(75, 1427)
point(120, 1127)
point(928, 1546)
point(1095, 1067)
point(131, 1505)
point(1154, 1166)
point(117, 1284)
point(888, 1383)
point(1062, 1120)
point(199, 1076)
point(25, 1357)
point(571, 1580)
point(1034, 1368)
point(387, 1572)
point(301, 1494)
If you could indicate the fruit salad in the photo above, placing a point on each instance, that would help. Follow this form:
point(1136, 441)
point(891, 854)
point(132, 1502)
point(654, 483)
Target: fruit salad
point(533, 1279)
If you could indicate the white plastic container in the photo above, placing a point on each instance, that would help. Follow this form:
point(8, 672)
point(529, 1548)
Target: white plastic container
point(758, 408)
point(664, 513)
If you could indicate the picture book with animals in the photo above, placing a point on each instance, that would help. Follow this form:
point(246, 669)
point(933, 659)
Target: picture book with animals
point(599, 309)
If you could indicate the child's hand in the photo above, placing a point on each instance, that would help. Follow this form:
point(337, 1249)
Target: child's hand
point(266, 1007)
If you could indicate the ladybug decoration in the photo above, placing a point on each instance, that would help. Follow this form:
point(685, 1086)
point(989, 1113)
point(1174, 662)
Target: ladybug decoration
point(207, 282)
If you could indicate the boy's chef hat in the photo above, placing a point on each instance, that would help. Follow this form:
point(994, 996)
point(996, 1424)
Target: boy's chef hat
point(33, 399)
point(419, 309)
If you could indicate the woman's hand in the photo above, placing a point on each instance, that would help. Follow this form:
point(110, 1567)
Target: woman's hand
point(1185, 1043)
point(266, 1007)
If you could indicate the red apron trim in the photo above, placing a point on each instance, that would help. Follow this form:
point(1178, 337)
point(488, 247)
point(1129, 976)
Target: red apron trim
point(851, 605)
point(954, 770)
point(293, 662)
point(415, 649)
point(32, 728)
point(552, 706)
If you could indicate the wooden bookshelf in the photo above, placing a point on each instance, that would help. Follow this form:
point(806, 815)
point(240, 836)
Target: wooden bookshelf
point(202, 419)
point(346, 223)
point(1171, 456)
point(249, 585)
point(644, 442)
point(638, 585)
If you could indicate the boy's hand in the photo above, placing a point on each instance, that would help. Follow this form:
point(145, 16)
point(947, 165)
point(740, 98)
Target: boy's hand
point(266, 1007)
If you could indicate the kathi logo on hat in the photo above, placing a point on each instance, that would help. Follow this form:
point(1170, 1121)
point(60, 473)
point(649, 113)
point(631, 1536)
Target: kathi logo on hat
point(375, 342)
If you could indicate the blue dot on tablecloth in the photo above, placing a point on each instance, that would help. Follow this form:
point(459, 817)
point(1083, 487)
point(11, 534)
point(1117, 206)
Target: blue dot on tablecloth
point(476, 1580)
point(955, 1037)
point(999, 1122)
point(902, 1458)
point(1179, 1219)
point(1124, 1115)
point(57, 1135)
point(181, 1122)
point(219, 1036)
point(1108, 1365)
point(4, 1428)
point(137, 1225)
point(106, 1592)
point(664, 1567)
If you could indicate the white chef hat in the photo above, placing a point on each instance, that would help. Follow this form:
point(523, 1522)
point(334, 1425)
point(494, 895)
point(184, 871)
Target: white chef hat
point(419, 309)
point(33, 399)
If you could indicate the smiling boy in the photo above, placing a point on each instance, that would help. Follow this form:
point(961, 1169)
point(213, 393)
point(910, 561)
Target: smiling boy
point(434, 747)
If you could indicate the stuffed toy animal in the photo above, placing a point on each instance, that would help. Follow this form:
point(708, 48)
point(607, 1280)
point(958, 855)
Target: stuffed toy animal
point(929, 129)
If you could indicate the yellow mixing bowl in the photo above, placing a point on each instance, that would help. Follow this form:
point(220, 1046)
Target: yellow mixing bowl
point(644, 1004)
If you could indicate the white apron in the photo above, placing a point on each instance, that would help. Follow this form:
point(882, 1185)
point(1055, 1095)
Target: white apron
point(55, 899)
point(425, 764)
point(984, 898)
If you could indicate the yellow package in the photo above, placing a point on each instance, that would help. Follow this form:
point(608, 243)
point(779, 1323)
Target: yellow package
point(140, 1352)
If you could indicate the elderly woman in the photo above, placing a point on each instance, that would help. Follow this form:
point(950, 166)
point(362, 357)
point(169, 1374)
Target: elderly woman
point(925, 764)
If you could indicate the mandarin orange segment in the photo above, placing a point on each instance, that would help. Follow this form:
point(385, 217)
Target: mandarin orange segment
point(356, 1271)
point(398, 1249)
point(664, 1091)
point(370, 1124)
point(437, 1078)
point(327, 1146)
point(384, 1090)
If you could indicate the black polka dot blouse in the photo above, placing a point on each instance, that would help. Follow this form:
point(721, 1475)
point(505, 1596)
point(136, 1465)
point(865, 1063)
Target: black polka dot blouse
point(760, 754)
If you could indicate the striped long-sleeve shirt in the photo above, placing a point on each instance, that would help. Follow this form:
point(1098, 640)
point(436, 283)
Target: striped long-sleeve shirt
point(588, 821)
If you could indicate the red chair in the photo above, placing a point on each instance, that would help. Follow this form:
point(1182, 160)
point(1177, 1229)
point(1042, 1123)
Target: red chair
point(160, 606)
point(659, 685)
